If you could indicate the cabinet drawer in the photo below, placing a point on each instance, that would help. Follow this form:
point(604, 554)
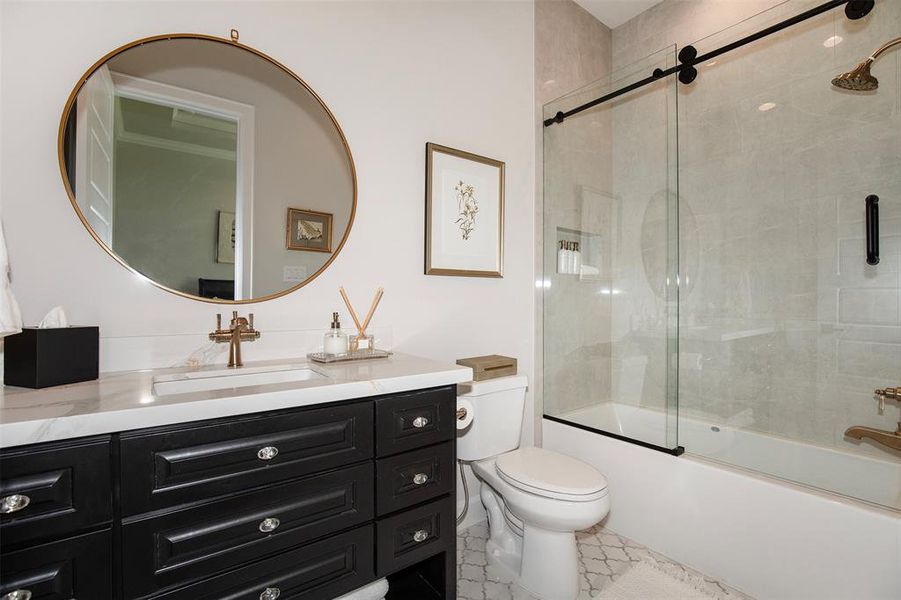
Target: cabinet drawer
point(77, 567)
point(415, 420)
point(319, 571)
point(186, 464)
point(413, 477)
point(54, 489)
point(412, 536)
point(181, 547)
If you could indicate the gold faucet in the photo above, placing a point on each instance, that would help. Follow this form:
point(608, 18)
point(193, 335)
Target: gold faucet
point(240, 330)
point(890, 439)
point(880, 436)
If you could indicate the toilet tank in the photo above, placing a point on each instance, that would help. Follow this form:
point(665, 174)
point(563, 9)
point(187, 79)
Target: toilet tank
point(497, 416)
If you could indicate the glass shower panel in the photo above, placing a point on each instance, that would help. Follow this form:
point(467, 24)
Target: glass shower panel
point(610, 312)
point(785, 330)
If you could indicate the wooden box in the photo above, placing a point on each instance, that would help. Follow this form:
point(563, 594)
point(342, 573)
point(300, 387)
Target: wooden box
point(489, 367)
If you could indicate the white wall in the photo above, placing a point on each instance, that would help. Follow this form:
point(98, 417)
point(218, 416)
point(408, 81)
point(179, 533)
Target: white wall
point(396, 75)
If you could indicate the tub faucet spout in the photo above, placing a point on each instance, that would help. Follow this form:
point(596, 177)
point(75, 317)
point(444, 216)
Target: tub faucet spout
point(889, 439)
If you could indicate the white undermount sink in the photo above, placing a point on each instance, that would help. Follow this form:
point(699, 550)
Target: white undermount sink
point(204, 381)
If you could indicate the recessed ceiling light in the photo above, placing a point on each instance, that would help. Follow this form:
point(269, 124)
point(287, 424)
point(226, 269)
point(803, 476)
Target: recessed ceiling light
point(766, 106)
point(712, 62)
point(833, 41)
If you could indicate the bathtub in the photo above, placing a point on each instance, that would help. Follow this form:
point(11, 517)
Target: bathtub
point(771, 538)
point(872, 479)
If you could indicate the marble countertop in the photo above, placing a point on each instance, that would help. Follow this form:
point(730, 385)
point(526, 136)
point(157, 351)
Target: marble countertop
point(124, 401)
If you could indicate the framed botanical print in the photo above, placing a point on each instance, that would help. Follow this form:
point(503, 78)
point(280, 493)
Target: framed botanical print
point(309, 230)
point(464, 223)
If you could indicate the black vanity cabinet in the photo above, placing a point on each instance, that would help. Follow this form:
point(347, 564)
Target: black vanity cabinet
point(304, 503)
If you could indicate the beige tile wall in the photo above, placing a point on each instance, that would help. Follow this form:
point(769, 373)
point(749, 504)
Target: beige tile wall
point(572, 49)
point(784, 328)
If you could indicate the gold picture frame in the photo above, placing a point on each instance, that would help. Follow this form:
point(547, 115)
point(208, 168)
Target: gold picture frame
point(308, 230)
point(444, 198)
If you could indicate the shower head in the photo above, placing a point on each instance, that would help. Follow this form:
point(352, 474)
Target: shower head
point(860, 79)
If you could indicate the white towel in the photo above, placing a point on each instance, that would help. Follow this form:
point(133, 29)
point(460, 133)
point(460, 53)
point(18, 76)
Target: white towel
point(10, 317)
point(374, 591)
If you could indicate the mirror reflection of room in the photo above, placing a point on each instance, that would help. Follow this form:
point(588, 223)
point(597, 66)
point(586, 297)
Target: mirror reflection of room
point(208, 169)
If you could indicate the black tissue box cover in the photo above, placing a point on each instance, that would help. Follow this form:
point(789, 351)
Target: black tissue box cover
point(39, 358)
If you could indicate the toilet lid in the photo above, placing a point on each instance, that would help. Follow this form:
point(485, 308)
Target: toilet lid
point(550, 474)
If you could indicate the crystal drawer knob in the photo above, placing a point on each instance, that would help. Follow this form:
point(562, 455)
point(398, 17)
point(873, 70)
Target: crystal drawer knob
point(270, 594)
point(17, 595)
point(269, 525)
point(11, 504)
point(267, 453)
point(420, 478)
point(421, 535)
point(420, 422)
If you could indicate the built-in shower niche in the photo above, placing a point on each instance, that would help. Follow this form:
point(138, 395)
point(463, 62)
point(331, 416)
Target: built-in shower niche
point(587, 264)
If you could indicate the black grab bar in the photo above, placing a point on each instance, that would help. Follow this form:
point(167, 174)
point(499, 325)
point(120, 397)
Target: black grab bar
point(872, 230)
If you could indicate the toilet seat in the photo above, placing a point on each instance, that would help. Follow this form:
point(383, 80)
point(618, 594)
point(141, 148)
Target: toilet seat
point(551, 475)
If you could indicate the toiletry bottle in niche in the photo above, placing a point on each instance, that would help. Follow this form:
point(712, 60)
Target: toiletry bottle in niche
point(335, 340)
point(570, 257)
point(577, 259)
point(561, 257)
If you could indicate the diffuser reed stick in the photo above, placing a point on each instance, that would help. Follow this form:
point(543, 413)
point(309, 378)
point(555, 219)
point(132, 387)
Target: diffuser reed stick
point(375, 302)
point(350, 308)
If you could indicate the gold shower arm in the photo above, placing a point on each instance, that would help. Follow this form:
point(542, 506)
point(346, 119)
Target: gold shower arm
point(885, 47)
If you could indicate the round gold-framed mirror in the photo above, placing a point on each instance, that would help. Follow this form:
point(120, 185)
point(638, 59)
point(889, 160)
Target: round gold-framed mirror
point(207, 167)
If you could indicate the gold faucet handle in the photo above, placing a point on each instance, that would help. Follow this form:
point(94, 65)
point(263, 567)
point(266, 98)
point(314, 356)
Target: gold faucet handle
point(881, 395)
point(893, 393)
point(218, 321)
point(250, 321)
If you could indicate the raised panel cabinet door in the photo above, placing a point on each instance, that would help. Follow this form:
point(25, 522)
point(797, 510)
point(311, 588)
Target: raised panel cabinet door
point(181, 547)
point(322, 570)
point(409, 421)
point(166, 467)
point(74, 568)
point(411, 536)
point(414, 477)
point(56, 489)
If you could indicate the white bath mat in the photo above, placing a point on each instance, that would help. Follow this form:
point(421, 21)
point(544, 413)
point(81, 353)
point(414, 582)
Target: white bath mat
point(645, 581)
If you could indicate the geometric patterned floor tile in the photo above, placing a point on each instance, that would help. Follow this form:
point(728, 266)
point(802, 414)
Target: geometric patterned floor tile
point(603, 556)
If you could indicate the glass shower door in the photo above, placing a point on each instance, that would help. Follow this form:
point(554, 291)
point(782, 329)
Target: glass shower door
point(785, 329)
point(610, 304)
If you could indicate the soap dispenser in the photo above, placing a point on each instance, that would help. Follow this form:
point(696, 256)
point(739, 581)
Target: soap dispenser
point(577, 259)
point(335, 341)
point(561, 257)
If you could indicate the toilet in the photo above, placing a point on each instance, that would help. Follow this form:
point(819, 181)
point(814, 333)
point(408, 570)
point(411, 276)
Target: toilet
point(536, 499)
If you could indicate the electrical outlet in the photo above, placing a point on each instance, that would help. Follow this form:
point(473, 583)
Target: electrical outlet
point(294, 274)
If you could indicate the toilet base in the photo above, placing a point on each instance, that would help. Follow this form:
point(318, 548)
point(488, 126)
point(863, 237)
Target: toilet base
point(550, 573)
point(504, 546)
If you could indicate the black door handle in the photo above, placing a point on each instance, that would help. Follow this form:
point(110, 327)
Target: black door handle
point(872, 230)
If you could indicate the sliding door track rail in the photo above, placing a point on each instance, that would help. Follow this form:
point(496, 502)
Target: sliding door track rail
point(688, 56)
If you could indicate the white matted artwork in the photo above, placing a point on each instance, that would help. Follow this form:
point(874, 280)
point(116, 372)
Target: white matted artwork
point(464, 213)
point(225, 242)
